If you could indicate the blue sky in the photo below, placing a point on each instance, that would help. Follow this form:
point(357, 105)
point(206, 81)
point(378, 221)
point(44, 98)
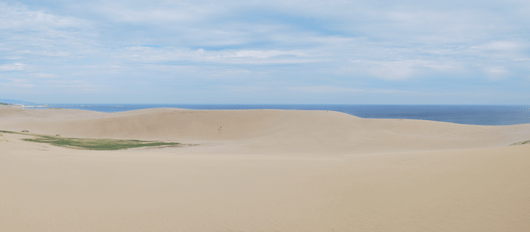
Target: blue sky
point(263, 52)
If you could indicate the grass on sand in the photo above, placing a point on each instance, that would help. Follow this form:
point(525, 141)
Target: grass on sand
point(521, 143)
point(93, 144)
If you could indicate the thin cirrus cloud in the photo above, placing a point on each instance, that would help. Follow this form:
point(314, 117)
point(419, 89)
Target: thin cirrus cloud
point(166, 54)
point(117, 48)
point(19, 17)
point(43, 75)
point(12, 67)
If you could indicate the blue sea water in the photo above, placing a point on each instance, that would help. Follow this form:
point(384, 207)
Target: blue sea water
point(463, 114)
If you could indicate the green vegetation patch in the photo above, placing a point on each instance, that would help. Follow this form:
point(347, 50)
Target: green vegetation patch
point(9, 132)
point(521, 143)
point(93, 144)
point(3, 104)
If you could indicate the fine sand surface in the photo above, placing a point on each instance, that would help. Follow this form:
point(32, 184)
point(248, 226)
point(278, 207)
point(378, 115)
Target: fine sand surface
point(262, 170)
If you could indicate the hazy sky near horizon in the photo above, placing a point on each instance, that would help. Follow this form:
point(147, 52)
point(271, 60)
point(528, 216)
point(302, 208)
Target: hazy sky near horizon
point(337, 52)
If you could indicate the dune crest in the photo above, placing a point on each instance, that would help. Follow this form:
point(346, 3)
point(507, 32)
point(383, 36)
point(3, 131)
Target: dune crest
point(267, 130)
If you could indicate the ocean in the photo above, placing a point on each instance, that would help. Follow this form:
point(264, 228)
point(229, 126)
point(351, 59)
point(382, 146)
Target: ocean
point(462, 114)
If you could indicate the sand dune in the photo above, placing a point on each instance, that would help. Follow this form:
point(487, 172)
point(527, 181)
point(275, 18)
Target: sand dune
point(263, 170)
point(266, 130)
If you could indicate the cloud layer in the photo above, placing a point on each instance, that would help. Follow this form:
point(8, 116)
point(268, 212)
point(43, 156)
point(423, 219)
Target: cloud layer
point(355, 52)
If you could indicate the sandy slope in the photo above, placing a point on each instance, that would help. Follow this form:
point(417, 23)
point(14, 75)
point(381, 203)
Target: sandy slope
point(263, 170)
point(265, 131)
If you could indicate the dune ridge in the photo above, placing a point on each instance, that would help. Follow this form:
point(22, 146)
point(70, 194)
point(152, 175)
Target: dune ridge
point(286, 130)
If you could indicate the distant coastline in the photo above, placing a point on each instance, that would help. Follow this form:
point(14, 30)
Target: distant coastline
point(22, 104)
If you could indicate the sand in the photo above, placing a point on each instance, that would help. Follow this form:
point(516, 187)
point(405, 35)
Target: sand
point(262, 170)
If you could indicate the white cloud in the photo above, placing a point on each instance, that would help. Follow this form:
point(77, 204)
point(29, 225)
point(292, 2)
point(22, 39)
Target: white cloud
point(27, 34)
point(152, 15)
point(47, 53)
point(496, 70)
point(148, 54)
point(245, 89)
point(400, 69)
point(336, 89)
point(12, 67)
point(264, 54)
point(43, 75)
point(295, 43)
point(22, 83)
point(499, 46)
point(19, 17)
